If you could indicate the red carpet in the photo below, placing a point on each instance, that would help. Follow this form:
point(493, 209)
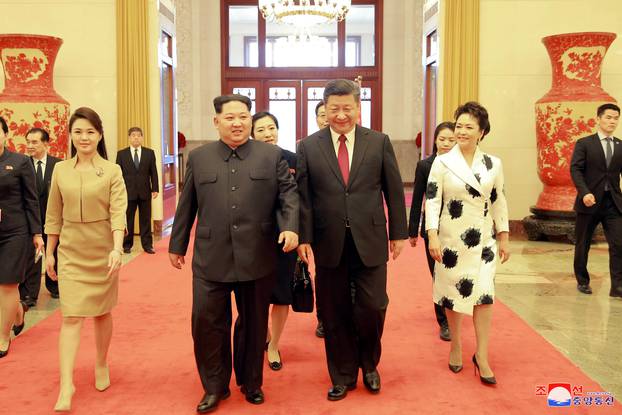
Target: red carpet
point(152, 365)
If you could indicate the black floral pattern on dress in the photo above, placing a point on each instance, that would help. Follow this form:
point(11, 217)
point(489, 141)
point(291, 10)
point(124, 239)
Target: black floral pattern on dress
point(487, 162)
point(465, 287)
point(447, 303)
point(471, 237)
point(478, 177)
point(450, 258)
point(431, 190)
point(488, 254)
point(472, 191)
point(484, 299)
point(455, 208)
point(493, 195)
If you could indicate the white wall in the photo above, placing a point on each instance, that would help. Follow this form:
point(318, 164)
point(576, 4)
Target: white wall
point(85, 69)
point(515, 72)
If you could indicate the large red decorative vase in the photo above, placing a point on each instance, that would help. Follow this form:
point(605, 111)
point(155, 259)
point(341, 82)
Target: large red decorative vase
point(29, 99)
point(568, 111)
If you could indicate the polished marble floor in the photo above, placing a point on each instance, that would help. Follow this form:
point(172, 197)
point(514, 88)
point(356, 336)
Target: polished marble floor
point(537, 284)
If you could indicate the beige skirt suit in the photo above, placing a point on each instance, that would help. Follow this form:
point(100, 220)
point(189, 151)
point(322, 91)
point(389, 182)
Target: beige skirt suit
point(84, 207)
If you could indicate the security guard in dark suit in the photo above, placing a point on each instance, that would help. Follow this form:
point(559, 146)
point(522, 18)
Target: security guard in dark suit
point(37, 144)
point(243, 194)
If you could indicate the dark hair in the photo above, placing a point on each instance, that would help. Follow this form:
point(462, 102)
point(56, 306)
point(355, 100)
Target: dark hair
point(5, 127)
point(318, 106)
point(45, 137)
point(85, 113)
point(601, 110)
point(445, 125)
point(223, 99)
point(263, 114)
point(342, 87)
point(477, 111)
point(134, 130)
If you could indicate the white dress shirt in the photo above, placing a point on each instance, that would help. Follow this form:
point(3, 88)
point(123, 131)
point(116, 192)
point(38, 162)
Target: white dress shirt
point(43, 160)
point(603, 142)
point(349, 144)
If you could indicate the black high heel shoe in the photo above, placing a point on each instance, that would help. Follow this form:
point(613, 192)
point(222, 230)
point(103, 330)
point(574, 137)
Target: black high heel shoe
point(276, 365)
point(5, 352)
point(486, 381)
point(455, 368)
point(18, 329)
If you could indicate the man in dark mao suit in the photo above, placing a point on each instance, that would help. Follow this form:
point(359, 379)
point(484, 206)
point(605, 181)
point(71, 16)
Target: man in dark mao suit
point(343, 172)
point(242, 193)
point(37, 144)
point(595, 169)
point(140, 174)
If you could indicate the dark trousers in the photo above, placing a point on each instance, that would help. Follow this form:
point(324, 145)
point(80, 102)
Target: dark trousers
point(144, 222)
point(439, 311)
point(611, 219)
point(211, 331)
point(352, 302)
point(32, 281)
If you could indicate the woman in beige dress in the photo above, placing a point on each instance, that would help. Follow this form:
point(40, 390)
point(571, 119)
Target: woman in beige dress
point(86, 212)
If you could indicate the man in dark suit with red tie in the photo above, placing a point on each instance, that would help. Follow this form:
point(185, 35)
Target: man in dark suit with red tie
point(595, 169)
point(138, 164)
point(37, 143)
point(344, 174)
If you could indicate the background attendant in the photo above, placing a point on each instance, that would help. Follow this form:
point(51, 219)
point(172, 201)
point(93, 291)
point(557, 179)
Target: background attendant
point(344, 174)
point(20, 226)
point(443, 142)
point(86, 213)
point(599, 199)
point(37, 141)
point(266, 128)
point(138, 164)
point(467, 224)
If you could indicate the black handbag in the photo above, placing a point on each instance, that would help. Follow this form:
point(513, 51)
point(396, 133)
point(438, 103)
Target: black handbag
point(302, 289)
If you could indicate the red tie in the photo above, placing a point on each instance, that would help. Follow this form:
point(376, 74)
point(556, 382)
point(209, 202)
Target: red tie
point(344, 159)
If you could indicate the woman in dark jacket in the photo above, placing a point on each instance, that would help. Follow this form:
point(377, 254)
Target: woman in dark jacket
point(266, 128)
point(443, 142)
point(20, 226)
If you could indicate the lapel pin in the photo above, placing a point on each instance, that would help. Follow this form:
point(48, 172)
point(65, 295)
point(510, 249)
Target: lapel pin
point(99, 172)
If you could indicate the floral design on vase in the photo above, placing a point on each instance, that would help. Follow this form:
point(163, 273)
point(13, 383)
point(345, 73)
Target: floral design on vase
point(29, 99)
point(567, 111)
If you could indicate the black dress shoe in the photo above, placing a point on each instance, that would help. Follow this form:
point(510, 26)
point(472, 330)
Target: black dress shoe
point(255, 397)
point(210, 401)
point(55, 295)
point(5, 352)
point(319, 330)
point(444, 334)
point(276, 365)
point(149, 250)
point(338, 392)
point(29, 301)
point(584, 288)
point(127, 250)
point(371, 380)
point(615, 292)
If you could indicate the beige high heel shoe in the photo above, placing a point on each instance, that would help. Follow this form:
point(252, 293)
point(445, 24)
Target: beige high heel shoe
point(63, 404)
point(102, 378)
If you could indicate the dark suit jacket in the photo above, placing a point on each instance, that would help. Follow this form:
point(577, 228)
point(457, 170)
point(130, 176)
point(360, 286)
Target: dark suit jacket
point(589, 172)
point(241, 200)
point(326, 202)
point(47, 180)
point(19, 205)
point(139, 183)
point(422, 172)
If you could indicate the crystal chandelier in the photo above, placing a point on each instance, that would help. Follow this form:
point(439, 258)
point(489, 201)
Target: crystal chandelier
point(304, 13)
